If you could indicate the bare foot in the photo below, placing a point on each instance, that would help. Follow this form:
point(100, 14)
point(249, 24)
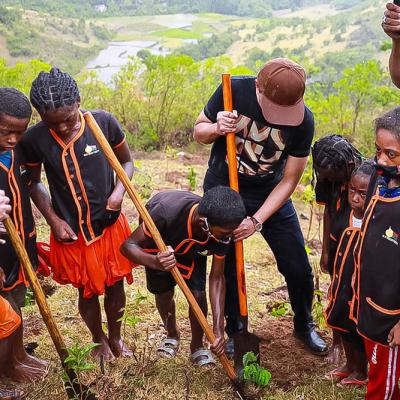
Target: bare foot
point(103, 351)
point(119, 348)
point(339, 373)
point(334, 354)
point(11, 394)
point(33, 362)
point(24, 373)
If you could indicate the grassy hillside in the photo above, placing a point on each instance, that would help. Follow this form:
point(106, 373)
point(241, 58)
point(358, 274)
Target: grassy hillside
point(66, 42)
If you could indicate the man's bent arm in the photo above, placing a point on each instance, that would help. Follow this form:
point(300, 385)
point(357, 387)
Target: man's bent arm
point(294, 169)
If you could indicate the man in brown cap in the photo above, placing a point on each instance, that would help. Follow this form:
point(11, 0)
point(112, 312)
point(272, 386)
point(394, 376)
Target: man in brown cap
point(274, 131)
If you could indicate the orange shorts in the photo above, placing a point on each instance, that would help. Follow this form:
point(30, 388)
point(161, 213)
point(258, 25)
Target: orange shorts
point(9, 319)
point(94, 266)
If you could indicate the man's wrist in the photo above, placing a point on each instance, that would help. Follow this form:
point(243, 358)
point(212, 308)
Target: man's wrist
point(256, 223)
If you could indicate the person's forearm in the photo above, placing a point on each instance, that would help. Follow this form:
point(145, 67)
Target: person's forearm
point(205, 133)
point(277, 198)
point(217, 300)
point(119, 189)
point(137, 255)
point(394, 62)
point(41, 198)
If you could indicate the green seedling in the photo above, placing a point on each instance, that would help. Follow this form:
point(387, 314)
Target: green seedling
point(252, 372)
point(77, 360)
point(280, 310)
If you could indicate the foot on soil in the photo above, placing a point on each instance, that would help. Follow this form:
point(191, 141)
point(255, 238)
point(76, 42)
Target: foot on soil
point(203, 357)
point(33, 362)
point(19, 372)
point(119, 348)
point(168, 347)
point(11, 394)
point(354, 379)
point(103, 351)
point(338, 373)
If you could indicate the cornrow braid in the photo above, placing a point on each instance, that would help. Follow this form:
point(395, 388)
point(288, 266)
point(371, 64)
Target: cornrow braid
point(14, 103)
point(335, 153)
point(365, 168)
point(53, 90)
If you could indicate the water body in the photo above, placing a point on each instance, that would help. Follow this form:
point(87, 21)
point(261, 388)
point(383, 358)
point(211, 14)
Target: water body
point(110, 60)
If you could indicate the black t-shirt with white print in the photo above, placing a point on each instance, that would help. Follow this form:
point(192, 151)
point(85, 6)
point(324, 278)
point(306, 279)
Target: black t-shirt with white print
point(261, 148)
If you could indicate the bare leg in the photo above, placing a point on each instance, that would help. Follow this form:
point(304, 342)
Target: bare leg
point(197, 331)
point(91, 313)
point(12, 366)
point(166, 307)
point(20, 353)
point(333, 356)
point(114, 305)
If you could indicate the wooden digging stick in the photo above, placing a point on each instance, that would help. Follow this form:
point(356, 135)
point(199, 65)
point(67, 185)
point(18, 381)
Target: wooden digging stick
point(123, 177)
point(76, 388)
point(233, 183)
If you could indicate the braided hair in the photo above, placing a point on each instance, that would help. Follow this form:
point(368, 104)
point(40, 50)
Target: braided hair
point(366, 168)
point(335, 153)
point(14, 103)
point(53, 90)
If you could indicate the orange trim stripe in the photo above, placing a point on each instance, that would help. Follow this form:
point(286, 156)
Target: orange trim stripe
point(382, 309)
point(120, 144)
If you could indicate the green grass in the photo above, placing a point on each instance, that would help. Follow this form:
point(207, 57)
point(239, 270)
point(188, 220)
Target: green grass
point(178, 34)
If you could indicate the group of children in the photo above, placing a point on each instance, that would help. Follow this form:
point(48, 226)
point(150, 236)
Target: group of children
point(91, 245)
point(92, 248)
point(361, 254)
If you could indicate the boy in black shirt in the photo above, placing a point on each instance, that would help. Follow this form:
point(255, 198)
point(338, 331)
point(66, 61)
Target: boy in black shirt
point(194, 228)
point(274, 131)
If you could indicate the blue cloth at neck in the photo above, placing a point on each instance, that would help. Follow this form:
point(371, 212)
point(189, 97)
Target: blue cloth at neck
point(6, 159)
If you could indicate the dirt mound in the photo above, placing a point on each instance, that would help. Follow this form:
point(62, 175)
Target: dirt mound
point(284, 356)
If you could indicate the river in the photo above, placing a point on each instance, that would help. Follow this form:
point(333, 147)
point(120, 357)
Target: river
point(110, 60)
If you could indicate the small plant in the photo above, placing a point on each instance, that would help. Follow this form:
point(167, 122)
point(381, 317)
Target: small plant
point(252, 372)
point(280, 310)
point(77, 362)
point(29, 297)
point(192, 179)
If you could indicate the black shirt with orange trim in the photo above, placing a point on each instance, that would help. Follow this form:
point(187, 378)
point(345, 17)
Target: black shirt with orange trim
point(340, 312)
point(172, 212)
point(378, 257)
point(335, 197)
point(15, 182)
point(78, 173)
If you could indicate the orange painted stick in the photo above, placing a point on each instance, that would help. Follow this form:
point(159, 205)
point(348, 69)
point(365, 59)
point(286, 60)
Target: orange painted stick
point(234, 184)
point(150, 225)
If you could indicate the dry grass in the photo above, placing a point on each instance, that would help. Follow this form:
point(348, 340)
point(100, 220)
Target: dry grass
point(296, 375)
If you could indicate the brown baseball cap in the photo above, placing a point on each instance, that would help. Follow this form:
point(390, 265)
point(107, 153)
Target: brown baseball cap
point(281, 83)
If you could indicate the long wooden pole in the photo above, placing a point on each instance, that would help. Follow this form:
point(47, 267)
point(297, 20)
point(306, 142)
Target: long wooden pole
point(76, 389)
point(234, 184)
point(123, 177)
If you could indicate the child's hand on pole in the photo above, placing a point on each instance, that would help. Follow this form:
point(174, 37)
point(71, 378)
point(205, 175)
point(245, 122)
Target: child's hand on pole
point(165, 260)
